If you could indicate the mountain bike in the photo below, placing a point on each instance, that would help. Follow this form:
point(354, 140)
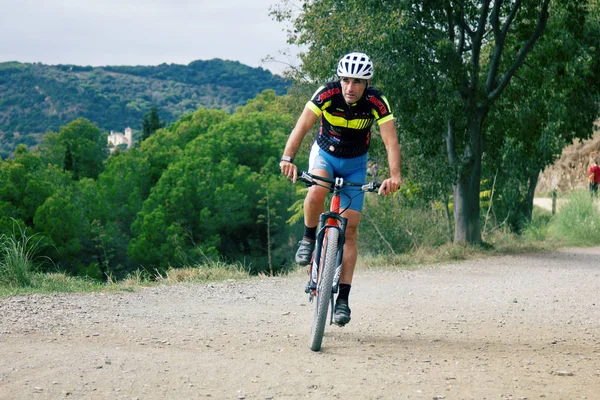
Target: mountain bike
point(326, 266)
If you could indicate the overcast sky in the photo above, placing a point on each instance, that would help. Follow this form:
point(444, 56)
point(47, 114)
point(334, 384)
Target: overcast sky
point(141, 32)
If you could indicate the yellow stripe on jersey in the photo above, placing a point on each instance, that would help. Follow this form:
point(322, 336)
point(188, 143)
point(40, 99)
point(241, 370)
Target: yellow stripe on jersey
point(385, 119)
point(386, 102)
point(314, 108)
point(341, 122)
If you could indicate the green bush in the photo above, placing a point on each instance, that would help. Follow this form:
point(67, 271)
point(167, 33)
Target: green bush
point(537, 229)
point(390, 226)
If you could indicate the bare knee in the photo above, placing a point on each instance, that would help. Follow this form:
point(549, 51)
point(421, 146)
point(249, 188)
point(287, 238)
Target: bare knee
point(351, 234)
point(315, 198)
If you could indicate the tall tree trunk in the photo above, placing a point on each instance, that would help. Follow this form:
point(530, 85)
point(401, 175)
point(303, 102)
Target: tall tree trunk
point(467, 228)
point(532, 181)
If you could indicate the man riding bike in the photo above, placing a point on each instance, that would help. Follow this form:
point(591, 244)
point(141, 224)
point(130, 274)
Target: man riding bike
point(347, 108)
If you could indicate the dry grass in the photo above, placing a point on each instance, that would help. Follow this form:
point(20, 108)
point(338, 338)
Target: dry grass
point(204, 274)
point(500, 244)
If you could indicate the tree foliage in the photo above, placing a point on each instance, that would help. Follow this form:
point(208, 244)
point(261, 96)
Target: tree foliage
point(445, 66)
point(195, 189)
point(151, 123)
point(84, 149)
point(207, 201)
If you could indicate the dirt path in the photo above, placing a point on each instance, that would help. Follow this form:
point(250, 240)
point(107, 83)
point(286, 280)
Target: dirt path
point(519, 327)
point(544, 202)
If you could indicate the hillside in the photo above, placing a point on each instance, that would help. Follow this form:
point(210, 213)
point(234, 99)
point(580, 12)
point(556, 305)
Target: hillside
point(569, 172)
point(35, 98)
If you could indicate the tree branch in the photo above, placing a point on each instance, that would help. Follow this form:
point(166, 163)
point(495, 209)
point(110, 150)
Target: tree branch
point(500, 40)
point(541, 25)
point(450, 20)
point(511, 17)
point(495, 17)
point(450, 144)
point(460, 46)
point(477, 40)
point(463, 24)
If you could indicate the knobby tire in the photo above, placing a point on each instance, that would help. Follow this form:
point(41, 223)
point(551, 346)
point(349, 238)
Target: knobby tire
point(324, 286)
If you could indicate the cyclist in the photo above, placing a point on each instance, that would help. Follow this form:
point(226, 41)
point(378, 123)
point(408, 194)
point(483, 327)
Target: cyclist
point(347, 108)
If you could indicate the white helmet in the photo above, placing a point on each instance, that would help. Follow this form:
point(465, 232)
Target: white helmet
point(355, 65)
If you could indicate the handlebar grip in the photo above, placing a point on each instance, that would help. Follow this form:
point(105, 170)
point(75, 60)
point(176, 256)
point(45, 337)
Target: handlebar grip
point(371, 187)
point(306, 178)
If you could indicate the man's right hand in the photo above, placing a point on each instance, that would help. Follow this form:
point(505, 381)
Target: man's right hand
point(288, 169)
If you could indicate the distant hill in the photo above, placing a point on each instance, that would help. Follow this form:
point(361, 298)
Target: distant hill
point(36, 98)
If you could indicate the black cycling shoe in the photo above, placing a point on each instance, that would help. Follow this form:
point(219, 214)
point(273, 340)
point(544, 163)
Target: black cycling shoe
point(341, 314)
point(305, 251)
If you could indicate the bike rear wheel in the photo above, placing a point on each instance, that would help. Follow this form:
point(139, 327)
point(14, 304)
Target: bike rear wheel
point(324, 286)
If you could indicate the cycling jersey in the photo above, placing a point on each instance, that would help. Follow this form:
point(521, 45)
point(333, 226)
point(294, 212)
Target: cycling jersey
point(595, 171)
point(345, 130)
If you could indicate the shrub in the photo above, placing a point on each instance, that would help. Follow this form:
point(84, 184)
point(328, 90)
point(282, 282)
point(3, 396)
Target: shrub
point(18, 257)
point(388, 225)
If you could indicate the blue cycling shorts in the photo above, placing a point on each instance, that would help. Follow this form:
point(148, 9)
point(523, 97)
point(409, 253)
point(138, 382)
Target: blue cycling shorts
point(351, 169)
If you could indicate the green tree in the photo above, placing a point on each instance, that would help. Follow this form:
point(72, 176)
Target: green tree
point(62, 218)
point(85, 149)
point(25, 183)
point(129, 177)
point(151, 123)
point(208, 202)
point(160, 150)
point(271, 232)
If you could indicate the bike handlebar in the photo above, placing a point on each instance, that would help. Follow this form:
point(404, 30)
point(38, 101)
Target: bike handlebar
point(309, 180)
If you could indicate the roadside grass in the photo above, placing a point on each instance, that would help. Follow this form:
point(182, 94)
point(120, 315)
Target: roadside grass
point(20, 272)
point(207, 270)
point(57, 282)
point(577, 224)
point(18, 257)
point(496, 245)
point(52, 283)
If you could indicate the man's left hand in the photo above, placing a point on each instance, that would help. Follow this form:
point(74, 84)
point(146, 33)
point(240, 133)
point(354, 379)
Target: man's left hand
point(389, 186)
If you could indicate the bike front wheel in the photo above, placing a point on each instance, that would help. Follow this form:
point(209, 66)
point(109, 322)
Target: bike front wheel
point(324, 292)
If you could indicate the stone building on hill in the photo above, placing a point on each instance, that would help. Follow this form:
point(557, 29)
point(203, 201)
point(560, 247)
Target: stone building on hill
point(115, 139)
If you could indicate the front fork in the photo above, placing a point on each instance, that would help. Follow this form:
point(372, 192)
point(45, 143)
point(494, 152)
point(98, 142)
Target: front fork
point(327, 221)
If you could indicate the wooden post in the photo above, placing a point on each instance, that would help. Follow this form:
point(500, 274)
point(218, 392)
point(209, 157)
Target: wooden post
point(553, 202)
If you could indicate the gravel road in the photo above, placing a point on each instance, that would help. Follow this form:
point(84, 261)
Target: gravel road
point(513, 327)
